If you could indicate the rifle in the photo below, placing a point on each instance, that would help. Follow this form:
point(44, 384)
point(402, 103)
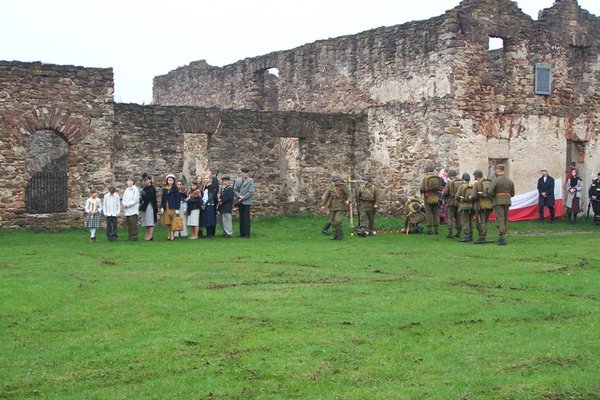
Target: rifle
point(587, 214)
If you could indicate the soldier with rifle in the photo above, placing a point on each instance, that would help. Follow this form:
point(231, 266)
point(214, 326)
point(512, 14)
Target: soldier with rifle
point(367, 198)
point(337, 198)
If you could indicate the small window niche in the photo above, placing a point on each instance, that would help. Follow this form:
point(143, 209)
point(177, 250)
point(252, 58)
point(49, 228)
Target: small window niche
point(496, 58)
point(543, 79)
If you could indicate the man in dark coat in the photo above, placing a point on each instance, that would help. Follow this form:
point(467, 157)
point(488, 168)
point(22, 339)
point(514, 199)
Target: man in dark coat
point(594, 194)
point(545, 189)
point(226, 206)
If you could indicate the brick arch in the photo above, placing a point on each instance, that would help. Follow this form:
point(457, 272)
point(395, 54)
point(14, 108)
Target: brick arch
point(62, 122)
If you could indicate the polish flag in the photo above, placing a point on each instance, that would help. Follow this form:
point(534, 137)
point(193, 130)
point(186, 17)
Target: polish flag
point(524, 206)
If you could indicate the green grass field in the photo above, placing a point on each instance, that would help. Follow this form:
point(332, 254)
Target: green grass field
point(289, 314)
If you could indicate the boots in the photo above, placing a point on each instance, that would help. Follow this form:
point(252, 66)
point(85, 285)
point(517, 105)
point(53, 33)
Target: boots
point(450, 234)
point(429, 231)
point(458, 232)
point(481, 240)
point(501, 241)
point(467, 238)
point(337, 235)
point(325, 230)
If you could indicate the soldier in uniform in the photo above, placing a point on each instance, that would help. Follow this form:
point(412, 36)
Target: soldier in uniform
point(430, 188)
point(483, 206)
point(337, 198)
point(414, 216)
point(502, 189)
point(368, 202)
point(465, 207)
point(594, 193)
point(449, 194)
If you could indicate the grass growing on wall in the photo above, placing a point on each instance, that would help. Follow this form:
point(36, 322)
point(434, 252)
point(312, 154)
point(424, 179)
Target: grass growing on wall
point(291, 314)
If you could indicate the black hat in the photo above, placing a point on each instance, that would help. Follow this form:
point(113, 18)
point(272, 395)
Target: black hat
point(245, 169)
point(226, 178)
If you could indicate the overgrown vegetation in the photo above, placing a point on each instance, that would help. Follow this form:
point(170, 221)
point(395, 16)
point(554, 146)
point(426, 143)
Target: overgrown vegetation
point(291, 314)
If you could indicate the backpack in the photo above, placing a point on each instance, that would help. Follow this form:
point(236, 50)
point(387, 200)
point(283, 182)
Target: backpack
point(487, 184)
point(466, 191)
point(455, 186)
point(433, 183)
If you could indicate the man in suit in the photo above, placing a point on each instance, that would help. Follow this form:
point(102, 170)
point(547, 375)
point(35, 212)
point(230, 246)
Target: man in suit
point(243, 190)
point(545, 189)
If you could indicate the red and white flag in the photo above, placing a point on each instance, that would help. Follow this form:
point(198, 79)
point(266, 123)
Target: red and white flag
point(525, 206)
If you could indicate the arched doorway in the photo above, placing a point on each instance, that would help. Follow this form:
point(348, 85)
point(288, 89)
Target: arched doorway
point(47, 163)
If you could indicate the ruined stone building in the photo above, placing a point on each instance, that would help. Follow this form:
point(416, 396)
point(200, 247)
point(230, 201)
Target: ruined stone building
point(387, 101)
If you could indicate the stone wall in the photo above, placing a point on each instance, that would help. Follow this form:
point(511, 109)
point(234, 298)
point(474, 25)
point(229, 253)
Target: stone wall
point(386, 102)
point(433, 90)
point(153, 139)
point(74, 103)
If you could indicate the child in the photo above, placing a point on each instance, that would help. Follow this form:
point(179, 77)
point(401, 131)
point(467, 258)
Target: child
point(194, 201)
point(111, 208)
point(93, 207)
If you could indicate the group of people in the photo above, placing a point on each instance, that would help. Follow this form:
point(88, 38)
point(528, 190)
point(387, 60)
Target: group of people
point(465, 201)
point(460, 200)
point(181, 210)
point(574, 203)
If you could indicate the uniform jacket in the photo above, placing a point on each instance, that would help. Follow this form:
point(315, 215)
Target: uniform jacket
point(450, 191)
point(595, 189)
point(335, 197)
point(369, 196)
point(548, 188)
point(502, 188)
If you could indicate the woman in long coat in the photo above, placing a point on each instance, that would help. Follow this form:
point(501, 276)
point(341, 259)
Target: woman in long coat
point(149, 206)
point(574, 188)
point(170, 203)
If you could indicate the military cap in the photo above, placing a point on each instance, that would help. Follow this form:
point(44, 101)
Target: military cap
point(226, 178)
point(367, 178)
point(335, 178)
point(477, 173)
point(430, 168)
point(245, 169)
point(501, 167)
point(466, 177)
point(452, 173)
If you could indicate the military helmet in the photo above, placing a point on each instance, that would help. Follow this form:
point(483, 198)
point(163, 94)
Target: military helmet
point(466, 177)
point(452, 173)
point(335, 177)
point(478, 173)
